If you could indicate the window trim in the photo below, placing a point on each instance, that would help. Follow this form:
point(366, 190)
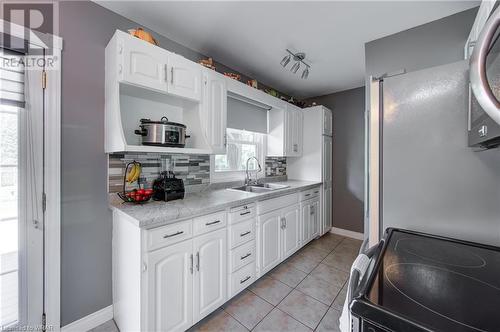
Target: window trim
point(229, 176)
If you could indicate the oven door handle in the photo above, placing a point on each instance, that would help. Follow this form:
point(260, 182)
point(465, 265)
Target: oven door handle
point(357, 275)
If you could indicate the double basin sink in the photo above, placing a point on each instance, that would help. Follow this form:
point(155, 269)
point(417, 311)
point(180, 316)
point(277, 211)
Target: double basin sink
point(260, 188)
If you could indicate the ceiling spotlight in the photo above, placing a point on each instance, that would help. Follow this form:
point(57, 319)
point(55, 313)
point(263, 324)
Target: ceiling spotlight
point(305, 73)
point(285, 60)
point(295, 67)
point(298, 58)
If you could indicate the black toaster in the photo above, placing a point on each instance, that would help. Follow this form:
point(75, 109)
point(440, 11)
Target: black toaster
point(167, 187)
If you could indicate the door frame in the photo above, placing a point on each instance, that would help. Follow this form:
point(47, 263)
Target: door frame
point(52, 168)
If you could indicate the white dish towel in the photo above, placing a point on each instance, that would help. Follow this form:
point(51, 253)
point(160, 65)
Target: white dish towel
point(360, 264)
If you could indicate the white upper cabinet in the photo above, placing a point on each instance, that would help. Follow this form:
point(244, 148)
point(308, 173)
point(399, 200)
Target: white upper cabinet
point(215, 110)
point(327, 122)
point(285, 131)
point(210, 281)
point(184, 77)
point(142, 64)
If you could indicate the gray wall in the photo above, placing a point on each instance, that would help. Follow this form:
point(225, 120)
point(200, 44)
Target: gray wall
point(348, 156)
point(86, 221)
point(428, 45)
point(432, 44)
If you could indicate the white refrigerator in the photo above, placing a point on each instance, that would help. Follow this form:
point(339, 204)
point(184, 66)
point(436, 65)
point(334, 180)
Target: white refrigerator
point(316, 161)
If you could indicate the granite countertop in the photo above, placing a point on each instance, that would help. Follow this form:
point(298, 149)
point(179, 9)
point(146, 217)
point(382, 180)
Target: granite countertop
point(154, 214)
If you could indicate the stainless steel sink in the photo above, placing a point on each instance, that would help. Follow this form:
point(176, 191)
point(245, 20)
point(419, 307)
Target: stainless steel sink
point(260, 188)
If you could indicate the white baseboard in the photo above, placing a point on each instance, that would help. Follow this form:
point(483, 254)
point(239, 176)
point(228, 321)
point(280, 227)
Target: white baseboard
point(89, 322)
point(345, 232)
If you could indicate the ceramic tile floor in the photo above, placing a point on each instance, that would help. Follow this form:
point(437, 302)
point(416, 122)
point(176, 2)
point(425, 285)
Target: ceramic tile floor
point(304, 293)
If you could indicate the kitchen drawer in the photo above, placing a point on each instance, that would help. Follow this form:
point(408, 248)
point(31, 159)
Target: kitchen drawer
point(241, 279)
point(241, 213)
point(241, 233)
point(308, 194)
point(277, 203)
point(209, 222)
point(170, 234)
point(241, 256)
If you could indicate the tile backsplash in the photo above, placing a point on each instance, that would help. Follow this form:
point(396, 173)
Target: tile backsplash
point(193, 169)
point(275, 166)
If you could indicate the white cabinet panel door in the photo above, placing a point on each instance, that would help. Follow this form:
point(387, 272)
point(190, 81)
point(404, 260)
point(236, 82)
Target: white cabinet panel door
point(170, 288)
point(298, 132)
point(327, 210)
point(269, 245)
point(327, 122)
point(210, 281)
point(184, 77)
point(215, 111)
point(315, 219)
point(327, 162)
point(291, 232)
point(305, 219)
point(143, 64)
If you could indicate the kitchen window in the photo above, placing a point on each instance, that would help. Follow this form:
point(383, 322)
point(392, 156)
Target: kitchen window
point(241, 145)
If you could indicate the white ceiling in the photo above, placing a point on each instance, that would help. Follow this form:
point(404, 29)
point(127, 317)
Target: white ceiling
point(251, 37)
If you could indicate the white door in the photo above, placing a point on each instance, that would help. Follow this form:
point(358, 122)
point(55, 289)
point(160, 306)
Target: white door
point(21, 188)
point(184, 77)
point(327, 160)
point(327, 122)
point(170, 288)
point(210, 281)
point(291, 232)
point(288, 134)
point(315, 219)
point(327, 216)
point(143, 64)
point(305, 221)
point(298, 124)
point(269, 243)
point(215, 110)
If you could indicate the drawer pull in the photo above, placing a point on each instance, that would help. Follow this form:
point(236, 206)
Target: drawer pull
point(308, 195)
point(246, 212)
point(245, 234)
point(212, 223)
point(246, 256)
point(175, 234)
point(317, 191)
point(245, 280)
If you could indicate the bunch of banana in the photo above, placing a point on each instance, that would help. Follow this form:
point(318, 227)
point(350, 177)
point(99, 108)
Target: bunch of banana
point(134, 173)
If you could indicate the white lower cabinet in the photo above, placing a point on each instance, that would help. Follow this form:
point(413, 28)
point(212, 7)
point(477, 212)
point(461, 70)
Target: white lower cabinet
point(186, 281)
point(210, 273)
point(278, 237)
point(310, 220)
point(170, 288)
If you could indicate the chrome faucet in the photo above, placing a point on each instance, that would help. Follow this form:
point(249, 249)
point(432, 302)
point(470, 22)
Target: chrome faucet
point(247, 178)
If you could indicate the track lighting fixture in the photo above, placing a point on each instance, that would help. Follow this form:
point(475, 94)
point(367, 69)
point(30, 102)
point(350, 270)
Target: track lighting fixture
point(298, 58)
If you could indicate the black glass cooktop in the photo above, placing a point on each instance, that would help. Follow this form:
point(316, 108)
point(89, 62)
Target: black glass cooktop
point(439, 284)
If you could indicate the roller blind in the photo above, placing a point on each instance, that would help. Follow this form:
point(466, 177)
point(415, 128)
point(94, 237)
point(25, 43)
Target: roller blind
point(11, 78)
point(245, 115)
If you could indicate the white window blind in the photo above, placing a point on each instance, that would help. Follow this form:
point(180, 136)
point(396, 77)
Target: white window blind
point(246, 116)
point(11, 78)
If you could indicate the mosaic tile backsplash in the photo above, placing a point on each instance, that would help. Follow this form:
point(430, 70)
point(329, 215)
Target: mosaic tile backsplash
point(275, 166)
point(192, 169)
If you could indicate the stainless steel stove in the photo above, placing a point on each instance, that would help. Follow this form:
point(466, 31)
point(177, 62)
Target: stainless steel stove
point(421, 282)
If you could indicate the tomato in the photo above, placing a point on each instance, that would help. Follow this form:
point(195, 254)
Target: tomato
point(141, 191)
point(148, 192)
point(139, 198)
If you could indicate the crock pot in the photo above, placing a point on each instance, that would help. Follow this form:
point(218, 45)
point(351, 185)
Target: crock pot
point(162, 133)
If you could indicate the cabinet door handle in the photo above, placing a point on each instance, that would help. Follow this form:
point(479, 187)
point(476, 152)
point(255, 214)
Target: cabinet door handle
point(307, 195)
point(245, 234)
point(197, 261)
point(165, 72)
point(244, 280)
point(284, 222)
point(212, 223)
point(191, 267)
point(246, 212)
point(170, 235)
point(316, 192)
point(245, 256)
point(172, 74)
